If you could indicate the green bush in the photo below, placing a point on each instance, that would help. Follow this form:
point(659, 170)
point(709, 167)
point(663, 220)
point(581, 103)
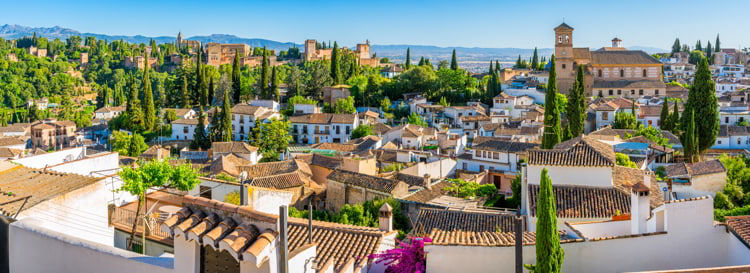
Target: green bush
point(468, 190)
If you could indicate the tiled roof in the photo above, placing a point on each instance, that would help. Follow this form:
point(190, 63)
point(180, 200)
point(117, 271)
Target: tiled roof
point(411, 180)
point(624, 133)
point(186, 121)
point(328, 162)
point(579, 151)
point(269, 168)
point(474, 118)
point(563, 26)
point(323, 118)
point(8, 152)
point(629, 84)
point(582, 53)
point(37, 185)
point(426, 195)
point(12, 128)
point(699, 168)
point(362, 180)
point(281, 181)
point(624, 178)
point(387, 156)
point(622, 57)
point(244, 232)
point(454, 220)
point(244, 109)
point(8, 141)
point(356, 145)
point(110, 109)
point(733, 130)
point(651, 110)
point(583, 201)
point(238, 147)
point(498, 145)
point(228, 164)
point(380, 128)
point(740, 227)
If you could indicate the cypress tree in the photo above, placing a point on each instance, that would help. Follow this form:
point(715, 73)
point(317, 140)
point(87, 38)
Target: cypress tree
point(225, 120)
point(149, 112)
point(534, 60)
point(454, 61)
point(133, 108)
point(264, 75)
point(421, 61)
point(718, 44)
point(185, 103)
point(335, 67)
point(549, 253)
point(676, 46)
point(236, 79)
point(702, 103)
point(210, 93)
point(690, 135)
point(518, 62)
point(698, 46)
point(491, 81)
point(274, 86)
point(200, 137)
point(674, 119)
point(552, 131)
point(198, 92)
point(577, 105)
point(709, 50)
point(408, 58)
point(664, 115)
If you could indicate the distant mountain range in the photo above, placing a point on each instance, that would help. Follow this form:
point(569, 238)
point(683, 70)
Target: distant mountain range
point(471, 56)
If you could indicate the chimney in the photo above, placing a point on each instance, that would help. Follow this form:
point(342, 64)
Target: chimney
point(640, 209)
point(243, 190)
point(386, 218)
point(427, 181)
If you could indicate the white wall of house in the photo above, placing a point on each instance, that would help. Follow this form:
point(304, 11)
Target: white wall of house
point(689, 236)
point(570, 175)
point(326, 133)
point(49, 159)
point(36, 249)
point(653, 121)
point(21, 146)
point(268, 200)
point(604, 118)
point(183, 131)
point(219, 188)
point(242, 126)
point(440, 168)
point(154, 249)
point(97, 165)
point(270, 104)
point(729, 118)
point(478, 166)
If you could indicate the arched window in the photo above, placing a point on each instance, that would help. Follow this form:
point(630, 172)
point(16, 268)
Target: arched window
point(600, 73)
point(644, 73)
point(622, 73)
point(559, 39)
point(567, 39)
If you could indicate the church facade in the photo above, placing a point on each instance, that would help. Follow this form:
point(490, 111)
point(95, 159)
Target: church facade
point(609, 71)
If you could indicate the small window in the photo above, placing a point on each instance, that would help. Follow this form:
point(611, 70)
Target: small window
point(640, 92)
point(605, 115)
point(656, 92)
point(563, 66)
point(644, 73)
point(481, 168)
point(619, 92)
point(599, 73)
point(718, 142)
point(185, 129)
point(610, 92)
point(632, 92)
point(622, 73)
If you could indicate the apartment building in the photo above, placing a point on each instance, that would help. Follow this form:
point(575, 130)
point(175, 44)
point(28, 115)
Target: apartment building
point(323, 127)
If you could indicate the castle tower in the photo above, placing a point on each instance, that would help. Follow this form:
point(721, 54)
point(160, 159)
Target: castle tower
point(310, 48)
point(616, 42)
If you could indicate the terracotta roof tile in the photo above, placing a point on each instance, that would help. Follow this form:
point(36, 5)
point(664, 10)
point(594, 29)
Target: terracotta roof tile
point(583, 202)
point(499, 145)
point(622, 57)
point(281, 181)
point(454, 220)
point(426, 195)
point(579, 151)
point(8, 141)
point(740, 227)
point(20, 182)
point(362, 180)
point(238, 147)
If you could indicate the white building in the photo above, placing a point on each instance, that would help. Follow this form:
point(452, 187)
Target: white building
point(410, 136)
point(237, 148)
point(323, 127)
point(270, 104)
point(732, 137)
point(184, 113)
point(302, 108)
point(606, 109)
point(456, 112)
point(109, 112)
point(494, 154)
point(245, 118)
point(184, 129)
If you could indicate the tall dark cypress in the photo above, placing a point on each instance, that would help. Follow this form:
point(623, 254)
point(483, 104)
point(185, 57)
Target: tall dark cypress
point(698, 46)
point(717, 46)
point(274, 86)
point(664, 115)
point(552, 131)
point(454, 61)
point(149, 112)
point(210, 93)
point(577, 105)
point(534, 60)
point(702, 103)
point(198, 91)
point(335, 67)
point(421, 61)
point(408, 58)
point(236, 79)
point(264, 75)
point(491, 81)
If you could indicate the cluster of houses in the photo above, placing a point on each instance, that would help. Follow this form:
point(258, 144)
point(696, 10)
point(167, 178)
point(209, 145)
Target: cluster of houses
point(64, 204)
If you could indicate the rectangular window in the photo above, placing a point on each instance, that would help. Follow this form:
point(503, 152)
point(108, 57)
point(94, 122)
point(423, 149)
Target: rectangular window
point(640, 92)
point(619, 92)
point(481, 168)
point(632, 92)
point(496, 155)
point(185, 129)
point(605, 116)
point(656, 92)
point(466, 166)
point(477, 153)
point(611, 92)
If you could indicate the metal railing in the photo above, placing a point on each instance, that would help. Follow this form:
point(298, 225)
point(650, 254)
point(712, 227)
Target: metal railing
point(154, 220)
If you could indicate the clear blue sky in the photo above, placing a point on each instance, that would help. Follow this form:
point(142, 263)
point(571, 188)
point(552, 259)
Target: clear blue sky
point(469, 23)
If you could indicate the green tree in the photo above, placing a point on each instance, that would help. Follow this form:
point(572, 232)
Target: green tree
point(577, 105)
point(137, 145)
point(149, 111)
point(408, 59)
point(690, 136)
point(624, 160)
point(362, 131)
point(718, 44)
point(625, 120)
point(416, 120)
point(552, 131)
point(121, 142)
point(198, 88)
point(344, 106)
point(201, 140)
point(709, 51)
point(549, 254)
point(676, 46)
point(444, 102)
point(155, 174)
point(664, 115)
point(335, 66)
point(274, 89)
point(534, 60)
point(674, 119)
point(271, 138)
point(185, 102)
point(264, 76)
point(236, 79)
point(702, 103)
point(223, 125)
point(385, 104)
point(454, 61)
point(698, 46)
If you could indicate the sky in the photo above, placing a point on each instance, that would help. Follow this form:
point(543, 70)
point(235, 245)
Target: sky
point(464, 23)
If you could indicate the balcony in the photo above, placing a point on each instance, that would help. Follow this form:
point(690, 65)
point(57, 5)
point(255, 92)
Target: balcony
point(322, 132)
point(122, 217)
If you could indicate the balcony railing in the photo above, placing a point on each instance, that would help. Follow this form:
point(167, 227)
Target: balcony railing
point(323, 132)
point(125, 218)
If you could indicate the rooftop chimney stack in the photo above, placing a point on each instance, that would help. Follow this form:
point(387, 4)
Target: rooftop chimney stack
point(243, 190)
point(386, 218)
point(640, 209)
point(427, 182)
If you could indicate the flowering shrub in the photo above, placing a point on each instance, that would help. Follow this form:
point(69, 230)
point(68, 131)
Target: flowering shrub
point(408, 257)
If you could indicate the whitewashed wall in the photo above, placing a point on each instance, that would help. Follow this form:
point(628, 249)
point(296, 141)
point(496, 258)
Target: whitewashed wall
point(97, 165)
point(432, 168)
point(568, 175)
point(40, 161)
point(35, 249)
